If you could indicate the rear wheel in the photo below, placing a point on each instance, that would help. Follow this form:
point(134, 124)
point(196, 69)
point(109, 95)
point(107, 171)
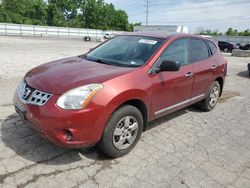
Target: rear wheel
point(211, 100)
point(122, 132)
point(225, 50)
point(248, 67)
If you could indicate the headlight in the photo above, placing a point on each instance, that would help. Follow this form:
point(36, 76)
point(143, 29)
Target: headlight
point(78, 98)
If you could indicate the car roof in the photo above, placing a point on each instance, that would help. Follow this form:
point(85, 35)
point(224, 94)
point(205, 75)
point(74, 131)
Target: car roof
point(164, 35)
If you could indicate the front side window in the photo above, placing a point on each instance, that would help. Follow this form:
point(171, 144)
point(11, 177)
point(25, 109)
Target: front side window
point(177, 51)
point(199, 50)
point(128, 51)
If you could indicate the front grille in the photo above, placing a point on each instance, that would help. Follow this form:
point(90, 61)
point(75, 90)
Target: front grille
point(31, 95)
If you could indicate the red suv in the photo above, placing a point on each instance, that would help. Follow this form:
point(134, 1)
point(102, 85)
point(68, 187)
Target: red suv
point(107, 96)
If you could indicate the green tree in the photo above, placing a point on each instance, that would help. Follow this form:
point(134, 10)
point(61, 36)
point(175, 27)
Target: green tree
point(94, 14)
point(63, 12)
point(16, 10)
point(25, 11)
point(231, 32)
point(38, 12)
point(91, 13)
point(4, 17)
point(55, 16)
point(131, 26)
point(209, 32)
point(245, 33)
point(107, 11)
point(121, 21)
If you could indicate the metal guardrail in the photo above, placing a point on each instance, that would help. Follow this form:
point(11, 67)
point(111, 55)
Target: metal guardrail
point(49, 31)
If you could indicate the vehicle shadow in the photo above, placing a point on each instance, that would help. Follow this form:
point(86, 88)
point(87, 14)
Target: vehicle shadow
point(244, 74)
point(20, 138)
point(164, 119)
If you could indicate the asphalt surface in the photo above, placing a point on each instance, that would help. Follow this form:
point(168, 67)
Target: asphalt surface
point(188, 148)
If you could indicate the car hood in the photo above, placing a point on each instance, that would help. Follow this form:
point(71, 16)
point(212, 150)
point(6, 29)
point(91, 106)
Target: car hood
point(60, 76)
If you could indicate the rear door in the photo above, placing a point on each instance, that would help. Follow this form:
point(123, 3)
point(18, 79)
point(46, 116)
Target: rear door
point(172, 90)
point(205, 67)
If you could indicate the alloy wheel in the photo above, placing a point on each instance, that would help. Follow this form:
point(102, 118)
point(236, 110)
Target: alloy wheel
point(214, 95)
point(125, 132)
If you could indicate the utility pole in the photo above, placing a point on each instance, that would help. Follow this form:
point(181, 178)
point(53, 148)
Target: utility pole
point(147, 7)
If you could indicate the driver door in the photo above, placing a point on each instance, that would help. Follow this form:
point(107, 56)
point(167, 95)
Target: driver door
point(172, 90)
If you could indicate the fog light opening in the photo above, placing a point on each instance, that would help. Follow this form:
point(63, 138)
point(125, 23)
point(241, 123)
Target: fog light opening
point(68, 135)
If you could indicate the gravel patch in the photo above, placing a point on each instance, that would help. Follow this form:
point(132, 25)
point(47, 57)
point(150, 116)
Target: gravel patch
point(20, 54)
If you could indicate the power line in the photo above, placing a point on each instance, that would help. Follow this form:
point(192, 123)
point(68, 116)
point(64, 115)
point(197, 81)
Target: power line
point(149, 4)
point(147, 7)
point(174, 9)
point(206, 4)
point(205, 21)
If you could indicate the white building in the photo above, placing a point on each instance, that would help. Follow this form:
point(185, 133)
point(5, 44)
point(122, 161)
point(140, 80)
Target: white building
point(162, 28)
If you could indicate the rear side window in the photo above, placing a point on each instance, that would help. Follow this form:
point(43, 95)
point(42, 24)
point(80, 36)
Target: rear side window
point(212, 47)
point(177, 51)
point(199, 50)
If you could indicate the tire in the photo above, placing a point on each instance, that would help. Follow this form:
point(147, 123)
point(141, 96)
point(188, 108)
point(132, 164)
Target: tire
point(248, 67)
point(211, 100)
point(122, 132)
point(226, 50)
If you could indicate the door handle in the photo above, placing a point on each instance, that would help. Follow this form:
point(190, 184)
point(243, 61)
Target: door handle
point(189, 74)
point(214, 67)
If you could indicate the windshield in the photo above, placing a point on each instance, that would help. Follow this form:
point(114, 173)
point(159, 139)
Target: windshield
point(128, 51)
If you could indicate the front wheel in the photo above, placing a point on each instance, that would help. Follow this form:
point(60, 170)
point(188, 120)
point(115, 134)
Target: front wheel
point(211, 100)
point(122, 132)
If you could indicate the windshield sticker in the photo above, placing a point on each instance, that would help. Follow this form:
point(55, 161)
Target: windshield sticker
point(146, 41)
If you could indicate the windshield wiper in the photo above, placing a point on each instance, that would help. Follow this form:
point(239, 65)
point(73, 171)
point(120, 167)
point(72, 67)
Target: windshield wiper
point(100, 61)
point(107, 62)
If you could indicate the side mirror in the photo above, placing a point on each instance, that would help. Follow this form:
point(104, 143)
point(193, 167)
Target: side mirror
point(169, 66)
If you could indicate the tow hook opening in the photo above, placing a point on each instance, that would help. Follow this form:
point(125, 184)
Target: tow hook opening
point(65, 135)
point(69, 135)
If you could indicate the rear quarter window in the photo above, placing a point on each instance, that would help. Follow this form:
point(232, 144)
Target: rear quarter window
point(212, 47)
point(199, 50)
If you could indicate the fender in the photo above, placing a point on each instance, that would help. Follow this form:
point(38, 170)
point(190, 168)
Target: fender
point(133, 94)
point(118, 100)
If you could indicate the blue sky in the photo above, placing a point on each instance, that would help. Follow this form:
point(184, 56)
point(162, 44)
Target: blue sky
point(196, 14)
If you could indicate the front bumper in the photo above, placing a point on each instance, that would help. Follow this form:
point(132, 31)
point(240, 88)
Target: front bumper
point(67, 128)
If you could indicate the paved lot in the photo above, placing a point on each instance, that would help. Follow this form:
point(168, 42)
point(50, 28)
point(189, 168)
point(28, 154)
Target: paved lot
point(18, 55)
point(188, 148)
